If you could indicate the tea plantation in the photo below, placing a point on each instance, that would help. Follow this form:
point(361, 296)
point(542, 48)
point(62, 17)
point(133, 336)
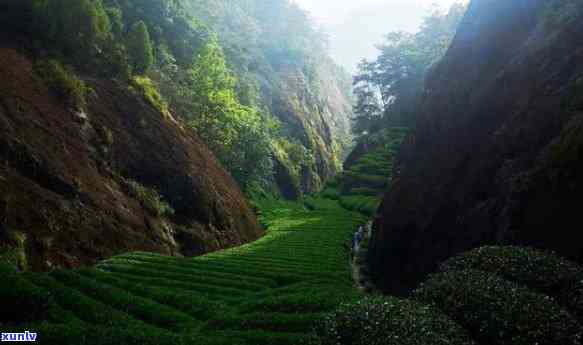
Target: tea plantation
point(294, 287)
point(361, 186)
point(268, 292)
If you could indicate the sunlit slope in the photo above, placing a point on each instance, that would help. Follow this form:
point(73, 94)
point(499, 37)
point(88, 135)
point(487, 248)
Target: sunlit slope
point(267, 292)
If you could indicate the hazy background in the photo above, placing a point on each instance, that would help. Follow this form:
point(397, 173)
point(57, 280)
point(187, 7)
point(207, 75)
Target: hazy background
point(356, 26)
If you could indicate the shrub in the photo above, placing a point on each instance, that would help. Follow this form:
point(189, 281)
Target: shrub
point(148, 90)
point(388, 320)
point(12, 249)
point(541, 271)
point(149, 198)
point(366, 191)
point(63, 81)
point(497, 311)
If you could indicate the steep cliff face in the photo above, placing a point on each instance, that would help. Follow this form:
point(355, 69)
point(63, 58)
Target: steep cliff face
point(316, 119)
point(497, 150)
point(76, 187)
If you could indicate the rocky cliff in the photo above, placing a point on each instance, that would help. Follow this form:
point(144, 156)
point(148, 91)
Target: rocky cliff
point(76, 187)
point(497, 154)
point(315, 116)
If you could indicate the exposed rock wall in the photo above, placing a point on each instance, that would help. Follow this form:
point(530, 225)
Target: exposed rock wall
point(63, 176)
point(497, 151)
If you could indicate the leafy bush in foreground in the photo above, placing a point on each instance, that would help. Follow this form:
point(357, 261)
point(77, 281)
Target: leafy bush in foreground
point(541, 271)
point(497, 311)
point(388, 320)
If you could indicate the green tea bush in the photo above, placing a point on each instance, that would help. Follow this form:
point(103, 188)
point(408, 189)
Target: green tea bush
point(331, 193)
point(276, 322)
point(365, 204)
point(541, 271)
point(63, 81)
point(20, 300)
point(299, 300)
point(388, 320)
point(497, 311)
point(365, 191)
point(140, 308)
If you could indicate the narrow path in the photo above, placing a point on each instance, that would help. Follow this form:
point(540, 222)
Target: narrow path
point(360, 272)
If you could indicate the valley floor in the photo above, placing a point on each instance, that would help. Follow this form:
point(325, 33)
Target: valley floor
point(267, 292)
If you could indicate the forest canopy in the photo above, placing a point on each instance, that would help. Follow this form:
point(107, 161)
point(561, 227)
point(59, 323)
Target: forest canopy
point(217, 65)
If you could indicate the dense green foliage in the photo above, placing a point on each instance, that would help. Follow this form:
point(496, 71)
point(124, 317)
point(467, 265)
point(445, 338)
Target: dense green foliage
point(361, 186)
point(491, 295)
point(140, 48)
point(78, 27)
point(541, 271)
point(498, 311)
point(294, 286)
point(388, 90)
point(224, 68)
point(21, 301)
point(388, 320)
point(282, 68)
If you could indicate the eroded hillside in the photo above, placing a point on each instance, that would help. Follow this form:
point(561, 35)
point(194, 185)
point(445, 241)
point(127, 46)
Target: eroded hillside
point(77, 186)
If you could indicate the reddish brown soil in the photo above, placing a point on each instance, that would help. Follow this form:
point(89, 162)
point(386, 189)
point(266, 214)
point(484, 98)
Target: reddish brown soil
point(60, 176)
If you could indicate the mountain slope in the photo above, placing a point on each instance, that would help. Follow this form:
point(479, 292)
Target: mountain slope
point(79, 186)
point(496, 151)
point(281, 59)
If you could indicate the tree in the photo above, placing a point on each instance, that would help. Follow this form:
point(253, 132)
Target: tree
point(238, 135)
point(368, 109)
point(398, 74)
point(78, 27)
point(140, 48)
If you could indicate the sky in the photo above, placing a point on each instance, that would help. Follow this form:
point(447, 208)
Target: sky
point(355, 26)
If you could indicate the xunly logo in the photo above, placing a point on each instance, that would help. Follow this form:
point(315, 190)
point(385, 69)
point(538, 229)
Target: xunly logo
point(19, 337)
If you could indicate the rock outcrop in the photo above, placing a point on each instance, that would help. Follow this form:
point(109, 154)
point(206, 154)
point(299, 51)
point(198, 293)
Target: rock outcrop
point(316, 119)
point(498, 152)
point(77, 186)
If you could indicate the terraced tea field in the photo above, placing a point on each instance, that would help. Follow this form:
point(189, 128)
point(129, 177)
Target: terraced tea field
point(267, 292)
point(361, 186)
